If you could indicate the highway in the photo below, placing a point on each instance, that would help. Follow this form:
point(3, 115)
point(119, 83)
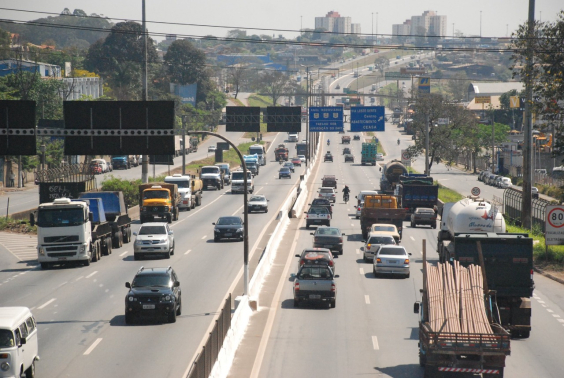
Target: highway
point(80, 310)
point(373, 330)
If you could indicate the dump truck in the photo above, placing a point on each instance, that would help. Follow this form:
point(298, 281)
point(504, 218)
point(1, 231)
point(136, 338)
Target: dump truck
point(116, 215)
point(368, 153)
point(345, 139)
point(380, 208)
point(71, 231)
point(416, 190)
point(281, 152)
point(391, 173)
point(190, 189)
point(457, 333)
point(158, 199)
point(508, 258)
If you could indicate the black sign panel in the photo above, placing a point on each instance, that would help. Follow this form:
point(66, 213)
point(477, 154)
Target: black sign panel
point(161, 159)
point(224, 146)
point(242, 118)
point(284, 119)
point(119, 115)
point(49, 192)
point(17, 127)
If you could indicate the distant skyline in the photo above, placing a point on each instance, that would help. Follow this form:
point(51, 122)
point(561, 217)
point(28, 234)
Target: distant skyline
point(219, 16)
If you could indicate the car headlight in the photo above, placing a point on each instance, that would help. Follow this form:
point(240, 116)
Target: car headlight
point(138, 242)
point(131, 299)
point(5, 366)
point(240, 229)
point(167, 298)
point(82, 249)
point(215, 230)
point(162, 241)
point(42, 251)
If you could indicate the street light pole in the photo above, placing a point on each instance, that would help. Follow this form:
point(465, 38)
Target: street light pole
point(145, 159)
point(307, 118)
point(427, 144)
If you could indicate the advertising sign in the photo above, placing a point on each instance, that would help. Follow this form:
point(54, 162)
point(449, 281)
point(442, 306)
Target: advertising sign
point(325, 118)
point(187, 93)
point(367, 118)
point(482, 100)
point(424, 84)
point(554, 225)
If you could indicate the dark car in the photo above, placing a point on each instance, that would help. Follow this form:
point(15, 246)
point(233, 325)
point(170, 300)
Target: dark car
point(346, 150)
point(328, 157)
point(330, 238)
point(329, 181)
point(228, 228)
point(349, 157)
point(289, 164)
point(313, 255)
point(356, 137)
point(284, 172)
point(323, 202)
point(253, 167)
point(154, 292)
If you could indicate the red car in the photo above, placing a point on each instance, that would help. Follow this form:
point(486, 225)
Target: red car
point(311, 255)
point(297, 161)
point(95, 169)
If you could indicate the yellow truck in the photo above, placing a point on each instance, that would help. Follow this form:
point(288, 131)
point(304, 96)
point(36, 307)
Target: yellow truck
point(381, 208)
point(158, 199)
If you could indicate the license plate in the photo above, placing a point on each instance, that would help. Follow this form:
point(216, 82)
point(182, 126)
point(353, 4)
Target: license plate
point(228, 234)
point(314, 296)
point(62, 258)
point(148, 307)
point(327, 246)
point(391, 262)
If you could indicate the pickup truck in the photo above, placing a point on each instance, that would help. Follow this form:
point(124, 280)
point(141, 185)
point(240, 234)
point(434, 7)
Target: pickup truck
point(345, 139)
point(423, 215)
point(315, 283)
point(318, 215)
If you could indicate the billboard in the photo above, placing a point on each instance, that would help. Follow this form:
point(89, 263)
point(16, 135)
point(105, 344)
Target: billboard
point(326, 118)
point(187, 93)
point(17, 127)
point(367, 118)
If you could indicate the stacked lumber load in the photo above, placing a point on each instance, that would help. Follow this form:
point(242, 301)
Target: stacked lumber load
point(456, 299)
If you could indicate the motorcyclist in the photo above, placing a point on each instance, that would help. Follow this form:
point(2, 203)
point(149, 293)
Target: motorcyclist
point(328, 142)
point(398, 141)
point(346, 191)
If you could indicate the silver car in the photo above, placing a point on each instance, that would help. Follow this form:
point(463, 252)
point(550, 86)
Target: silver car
point(327, 193)
point(153, 238)
point(391, 259)
point(258, 203)
point(374, 242)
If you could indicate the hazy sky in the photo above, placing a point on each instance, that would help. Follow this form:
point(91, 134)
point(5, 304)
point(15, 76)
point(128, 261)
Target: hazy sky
point(497, 15)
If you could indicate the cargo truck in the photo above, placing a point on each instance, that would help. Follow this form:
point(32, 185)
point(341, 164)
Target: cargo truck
point(281, 152)
point(380, 208)
point(116, 215)
point(368, 153)
point(416, 190)
point(158, 200)
point(189, 188)
point(258, 149)
point(302, 149)
point(211, 176)
point(71, 231)
point(508, 258)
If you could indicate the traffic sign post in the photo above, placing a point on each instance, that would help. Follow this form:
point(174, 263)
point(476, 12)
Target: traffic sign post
point(367, 118)
point(554, 227)
point(475, 191)
point(325, 118)
point(405, 160)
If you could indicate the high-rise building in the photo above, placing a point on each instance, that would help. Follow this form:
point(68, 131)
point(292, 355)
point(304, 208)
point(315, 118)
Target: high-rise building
point(429, 23)
point(355, 29)
point(402, 29)
point(333, 22)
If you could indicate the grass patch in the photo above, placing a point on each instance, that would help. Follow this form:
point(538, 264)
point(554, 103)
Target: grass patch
point(237, 102)
point(448, 195)
point(261, 101)
point(19, 226)
point(555, 257)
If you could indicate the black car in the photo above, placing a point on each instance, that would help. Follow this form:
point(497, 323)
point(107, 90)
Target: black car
point(346, 151)
point(328, 237)
point(349, 157)
point(323, 202)
point(284, 172)
point(356, 137)
point(290, 165)
point(328, 157)
point(154, 292)
point(228, 228)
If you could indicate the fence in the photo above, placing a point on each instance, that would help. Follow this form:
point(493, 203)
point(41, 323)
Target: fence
point(512, 201)
point(66, 173)
point(204, 362)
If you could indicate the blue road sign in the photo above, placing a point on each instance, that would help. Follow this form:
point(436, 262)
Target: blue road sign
point(325, 118)
point(367, 118)
point(424, 85)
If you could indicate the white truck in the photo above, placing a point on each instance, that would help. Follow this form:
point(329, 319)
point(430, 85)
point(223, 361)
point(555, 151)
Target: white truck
point(293, 137)
point(238, 182)
point(258, 149)
point(211, 176)
point(190, 190)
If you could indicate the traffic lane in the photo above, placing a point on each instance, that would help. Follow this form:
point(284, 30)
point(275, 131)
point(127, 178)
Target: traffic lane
point(20, 200)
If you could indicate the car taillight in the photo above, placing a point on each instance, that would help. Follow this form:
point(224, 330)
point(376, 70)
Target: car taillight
point(368, 246)
point(406, 261)
point(330, 263)
point(297, 286)
point(340, 240)
point(378, 260)
point(307, 216)
point(333, 288)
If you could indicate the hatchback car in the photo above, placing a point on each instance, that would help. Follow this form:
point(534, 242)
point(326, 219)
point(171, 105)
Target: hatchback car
point(379, 156)
point(346, 150)
point(153, 292)
point(212, 148)
point(327, 193)
point(284, 172)
point(322, 202)
point(153, 238)
point(373, 243)
point(330, 238)
point(228, 228)
point(258, 203)
point(318, 215)
point(297, 161)
point(289, 165)
point(391, 259)
point(328, 157)
point(310, 255)
point(349, 158)
point(356, 137)
point(302, 158)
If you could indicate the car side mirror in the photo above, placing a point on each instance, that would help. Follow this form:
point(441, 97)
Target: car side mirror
point(343, 234)
point(177, 284)
point(336, 276)
point(356, 197)
point(135, 233)
point(293, 275)
point(416, 308)
point(128, 285)
point(311, 233)
point(409, 253)
point(297, 255)
point(171, 232)
point(23, 341)
point(380, 169)
point(213, 223)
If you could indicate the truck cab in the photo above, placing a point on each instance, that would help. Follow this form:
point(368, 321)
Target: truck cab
point(258, 149)
point(184, 189)
point(238, 182)
point(158, 201)
point(211, 176)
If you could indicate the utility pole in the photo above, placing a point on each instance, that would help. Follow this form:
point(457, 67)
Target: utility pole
point(183, 145)
point(373, 28)
point(145, 159)
point(480, 25)
point(493, 141)
point(526, 220)
point(427, 144)
point(307, 117)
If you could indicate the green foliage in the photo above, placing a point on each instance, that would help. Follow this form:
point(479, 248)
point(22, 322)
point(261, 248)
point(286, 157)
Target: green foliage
point(130, 189)
point(448, 195)
point(20, 226)
point(555, 252)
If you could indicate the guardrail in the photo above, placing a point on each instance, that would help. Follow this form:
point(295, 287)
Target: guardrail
point(512, 201)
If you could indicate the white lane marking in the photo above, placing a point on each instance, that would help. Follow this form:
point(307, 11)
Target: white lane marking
point(358, 251)
point(64, 283)
point(541, 301)
point(556, 315)
point(352, 224)
point(188, 251)
point(125, 253)
point(421, 252)
point(94, 344)
point(560, 320)
point(91, 274)
point(361, 271)
point(205, 236)
point(375, 343)
point(79, 278)
point(367, 299)
point(412, 238)
point(549, 310)
point(46, 303)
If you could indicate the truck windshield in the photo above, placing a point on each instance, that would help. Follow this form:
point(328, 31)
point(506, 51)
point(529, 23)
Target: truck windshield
point(255, 150)
point(210, 170)
point(181, 184)
point(151, 194)
point(239, 175)
point(6, 338)
point(60, 217)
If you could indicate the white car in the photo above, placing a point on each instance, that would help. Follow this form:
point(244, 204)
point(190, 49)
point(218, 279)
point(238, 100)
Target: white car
point(153, 238)
point(327, 193)
point(258, 203)
point(212, 148)
point(391, 259)
point(103, 163)
point(534, 192)
point(302, 158)
point(505, 183)
point(373, 243)
point(379, 156)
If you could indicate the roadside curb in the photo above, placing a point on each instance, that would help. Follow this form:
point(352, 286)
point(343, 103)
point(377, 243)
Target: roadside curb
point(554, 278)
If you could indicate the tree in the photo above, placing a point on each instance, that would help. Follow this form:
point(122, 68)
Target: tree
point(274, 84)
point(381, 64)
point(187, 65)
point(458, 86)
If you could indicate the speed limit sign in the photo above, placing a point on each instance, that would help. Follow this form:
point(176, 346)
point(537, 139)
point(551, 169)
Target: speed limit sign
point(405, 157)
point(475, 191)
point(554, 225)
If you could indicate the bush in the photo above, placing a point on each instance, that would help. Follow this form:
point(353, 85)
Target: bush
point(20, 226)
point(130, 189)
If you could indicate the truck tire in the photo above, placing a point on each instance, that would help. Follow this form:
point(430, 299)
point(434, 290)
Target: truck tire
point(176, 213)
point(333, 303)
point(95, 251)
point(118, 239)
point(422, 359)
point(107, 249)
point(169, 218)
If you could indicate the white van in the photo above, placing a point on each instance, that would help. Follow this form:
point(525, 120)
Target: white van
point(18, 342)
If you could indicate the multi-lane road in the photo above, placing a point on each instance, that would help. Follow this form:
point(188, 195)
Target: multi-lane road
point(373, 330)
point(80, 310)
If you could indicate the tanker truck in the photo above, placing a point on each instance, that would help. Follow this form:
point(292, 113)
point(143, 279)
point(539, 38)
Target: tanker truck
point(391, 173)
point(507, 257)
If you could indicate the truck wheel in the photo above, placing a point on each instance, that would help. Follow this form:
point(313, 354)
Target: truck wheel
point(95, 252)
point(179, 310)
point(172, 316)
point(422, 359)
point(30, 372)
point(118, 239)
point(434, 226)
point(412, 225)
point(169, 218)
point(172, 249)
point(167, 254)
point(333, 303)
point(296, 303)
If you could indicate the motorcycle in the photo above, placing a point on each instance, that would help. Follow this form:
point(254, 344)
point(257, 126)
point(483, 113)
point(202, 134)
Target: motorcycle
point(346, 197)
point(398, 142)
point(328, 142)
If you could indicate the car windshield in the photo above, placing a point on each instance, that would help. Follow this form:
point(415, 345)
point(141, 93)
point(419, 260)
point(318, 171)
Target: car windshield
point(320, 202)
point(289, 164)
point(392, 251)
point(152, 194)
point(326, 231)
point(152, 230)
point(6, 338)
point(60, 217)
point(315, 272)
point(257, 198)
point(255, 150)
point(318, 210)
point(384, 228)
point(145, 280)
point(239, 175)
point(228, 221)
point(210, 170)
point(425, 211)
point(381, 240)
point(284, 169)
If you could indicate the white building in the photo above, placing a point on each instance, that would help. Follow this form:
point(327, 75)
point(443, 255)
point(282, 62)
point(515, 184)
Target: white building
point(333, 22)
point(75, 87)
point(428, 24)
